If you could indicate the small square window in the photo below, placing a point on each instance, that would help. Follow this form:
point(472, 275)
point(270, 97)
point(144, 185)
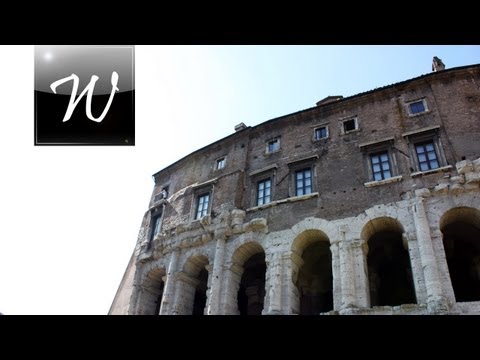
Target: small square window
point(273, 145)
point(321, 133)
point(349, 125)
point(417, 107)
point(220, 163)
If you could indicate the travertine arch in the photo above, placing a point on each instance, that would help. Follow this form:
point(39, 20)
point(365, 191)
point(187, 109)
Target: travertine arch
point(151, 290)
point(151, 268)
point(306, 238)
point(460, 241)
point(310, 281)
point(245, 252)
point(461, 213)
point(328, 228)
point(153, 277)
point(383, 223)
point(194, 264)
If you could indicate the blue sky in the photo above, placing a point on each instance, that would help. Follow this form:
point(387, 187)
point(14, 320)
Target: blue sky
point(216, 87)
point(71, 215)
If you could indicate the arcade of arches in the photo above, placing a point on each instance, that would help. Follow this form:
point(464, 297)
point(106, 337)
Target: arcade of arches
point(387, 263)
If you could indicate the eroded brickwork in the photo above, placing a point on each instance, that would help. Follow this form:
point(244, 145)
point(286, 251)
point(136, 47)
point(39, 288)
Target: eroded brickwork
point(323, 251)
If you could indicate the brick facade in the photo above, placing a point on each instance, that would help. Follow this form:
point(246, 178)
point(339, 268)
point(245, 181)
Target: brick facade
point(339, 218)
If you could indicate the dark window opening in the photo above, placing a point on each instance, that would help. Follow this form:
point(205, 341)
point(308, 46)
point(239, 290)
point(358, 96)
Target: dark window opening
point(303, 182)
point(200, 299)
point(315, 280)
point(381, 166)
point(462, 248)
point(349, 125)
point(251, 293)
point(427, 156)
point(389, 270)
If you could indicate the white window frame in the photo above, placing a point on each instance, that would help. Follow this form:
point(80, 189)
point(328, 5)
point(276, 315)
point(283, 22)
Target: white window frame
point(201, 195)
point(303, 164)
point(221, 160)
point(425, 106)
point(327, 135)
point(267, 143)
point(385, 145)
point(343, 121)
point(429, 134)
point(264, 180)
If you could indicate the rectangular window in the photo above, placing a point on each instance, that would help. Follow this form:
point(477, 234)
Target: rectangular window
point(417, 107)
point(273, 145)
point(427, 156)
point(202, 206)
point(349, 125)
point(380, 166)
point(303, 182)
point(321, 133)
point(220, 163)
point(264, 192)
point(157, 224)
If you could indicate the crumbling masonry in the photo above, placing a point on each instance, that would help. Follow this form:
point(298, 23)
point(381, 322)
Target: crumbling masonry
point(362, 205)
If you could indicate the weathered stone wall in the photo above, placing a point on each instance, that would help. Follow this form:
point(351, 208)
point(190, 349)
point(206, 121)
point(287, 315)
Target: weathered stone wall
point(343, 210)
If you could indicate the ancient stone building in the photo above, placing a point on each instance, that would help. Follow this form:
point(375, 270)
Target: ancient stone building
point(362, 205)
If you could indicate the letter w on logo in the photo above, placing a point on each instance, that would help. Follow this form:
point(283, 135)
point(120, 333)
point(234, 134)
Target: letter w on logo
point(89, 88)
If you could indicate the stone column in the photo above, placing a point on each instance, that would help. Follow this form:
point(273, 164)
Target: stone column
point(360, 273)
point(229, 304)
point(169, 289)
point(436, 301)
point(208, 294)
point(415, 263)
point(294, 291)
point(442, 264)
point(184, 294)
point(336, 274)
point(287, 284)
point(347, 273)
point(274, 306)
point(213, 304)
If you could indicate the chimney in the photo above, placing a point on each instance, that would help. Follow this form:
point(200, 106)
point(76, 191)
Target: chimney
point(437, 64)
point(240, 127)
